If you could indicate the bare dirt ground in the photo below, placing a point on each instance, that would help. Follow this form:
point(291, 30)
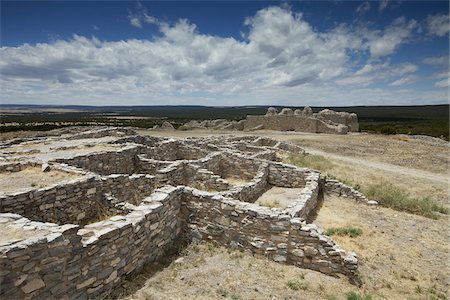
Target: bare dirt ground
point(31, 178)
point(402, 256)
point(279, 197)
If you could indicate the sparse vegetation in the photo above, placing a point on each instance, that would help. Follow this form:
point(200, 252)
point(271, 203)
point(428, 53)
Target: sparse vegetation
point(386, 193)
point(296, 285)
point(316, 162)
point(344, 231)
point(222, 292)
point(396, 198)
point(358, 296)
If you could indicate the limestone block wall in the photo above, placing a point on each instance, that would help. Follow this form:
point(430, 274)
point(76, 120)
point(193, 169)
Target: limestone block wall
point(78, 201)
point(340, 189)
point(238, 165)
point(251, 191)
point(80, 263)
point(289, 176)
point(294, 123)
point(264, 231)
point(203, 179)
point(308, 198)
point(123, 161)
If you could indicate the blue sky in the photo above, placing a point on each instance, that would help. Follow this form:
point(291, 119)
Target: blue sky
point(225, 53)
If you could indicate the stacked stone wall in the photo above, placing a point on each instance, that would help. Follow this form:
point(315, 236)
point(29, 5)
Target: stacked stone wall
point(124, 161)
point(264, 231)
point(79, 263)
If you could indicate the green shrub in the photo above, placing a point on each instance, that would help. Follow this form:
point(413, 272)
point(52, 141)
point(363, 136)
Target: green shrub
point(296, 285)
point(350, 231)
point(389, 195)
point(358, 296)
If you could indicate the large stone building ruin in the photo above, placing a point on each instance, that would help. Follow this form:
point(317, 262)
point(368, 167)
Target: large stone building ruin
point(123, 200)
point(325, 121)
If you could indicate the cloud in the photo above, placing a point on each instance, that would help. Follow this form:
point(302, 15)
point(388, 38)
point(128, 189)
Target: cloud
point(373, 73)
point(387, 41)
point(443, 83)
point(383, 5)
point(405, 80)
point(363, 8)
point(135, 20)
point(140, 16)
point(438, 60)
point(438, 24)
point(95, 27)
point(281, 60)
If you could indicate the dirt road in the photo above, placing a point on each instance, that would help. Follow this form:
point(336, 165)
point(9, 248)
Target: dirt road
point(383, 166)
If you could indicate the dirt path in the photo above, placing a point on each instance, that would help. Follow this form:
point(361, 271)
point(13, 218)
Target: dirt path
point(383, 166)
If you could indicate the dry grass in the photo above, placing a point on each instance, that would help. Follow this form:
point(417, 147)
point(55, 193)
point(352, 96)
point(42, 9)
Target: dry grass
point(210, 272)
point(399, 150)
point(392, 191)
point(397, 251)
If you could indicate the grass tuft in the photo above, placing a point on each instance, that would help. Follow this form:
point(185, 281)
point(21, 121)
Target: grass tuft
point(358, 296)
point(342, 231)
point(389, 195)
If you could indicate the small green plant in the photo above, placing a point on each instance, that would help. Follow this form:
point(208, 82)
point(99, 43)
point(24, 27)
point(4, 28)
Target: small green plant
point(33, 184)
point(419, 289)
point(435, 294)
point(343, 231)
point(296, 285)
point(222, 292)
point(358, 296)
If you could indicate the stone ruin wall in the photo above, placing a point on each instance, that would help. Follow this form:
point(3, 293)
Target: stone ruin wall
point(157, 211)
point(326, 121)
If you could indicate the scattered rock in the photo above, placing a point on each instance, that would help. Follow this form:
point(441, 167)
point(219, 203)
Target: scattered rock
point(45, 167)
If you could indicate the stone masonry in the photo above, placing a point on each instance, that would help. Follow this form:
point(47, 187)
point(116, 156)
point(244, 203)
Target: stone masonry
point(79, 238)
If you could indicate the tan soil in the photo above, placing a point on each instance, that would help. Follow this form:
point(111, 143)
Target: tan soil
point(32, 178)
point(279, 197)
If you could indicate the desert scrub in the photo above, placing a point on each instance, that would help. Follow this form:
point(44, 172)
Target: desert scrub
point(296, 285)
point(344, 231)
point(316, 162)
point(392, 196)
point(358, 296)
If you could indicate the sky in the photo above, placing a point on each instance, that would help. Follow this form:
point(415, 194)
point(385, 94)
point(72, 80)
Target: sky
point(215, 53)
